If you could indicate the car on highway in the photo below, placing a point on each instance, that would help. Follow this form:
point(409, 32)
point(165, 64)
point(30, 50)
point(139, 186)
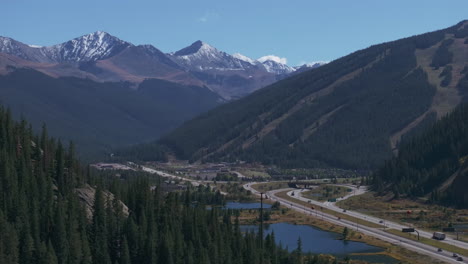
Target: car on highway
point(460, 259)
point(455, 255)
point(439, 250)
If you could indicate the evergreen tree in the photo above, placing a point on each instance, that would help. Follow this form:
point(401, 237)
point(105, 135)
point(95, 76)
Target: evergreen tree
point(99, 232)
point(125, 253)
point(59, 237)
point(43, 218)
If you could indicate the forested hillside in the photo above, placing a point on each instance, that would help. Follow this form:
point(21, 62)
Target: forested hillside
point(43, 218)
point(102, 116)
point(350, 113)
point(434, 164)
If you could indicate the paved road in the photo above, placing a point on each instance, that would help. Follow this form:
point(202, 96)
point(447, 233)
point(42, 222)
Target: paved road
point(403, 242)
point(389, 224)
point(375, 232)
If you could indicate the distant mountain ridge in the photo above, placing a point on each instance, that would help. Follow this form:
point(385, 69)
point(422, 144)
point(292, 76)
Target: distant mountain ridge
point(103, 92)
point(102, 116)
point(103, 57)
point(92, 47)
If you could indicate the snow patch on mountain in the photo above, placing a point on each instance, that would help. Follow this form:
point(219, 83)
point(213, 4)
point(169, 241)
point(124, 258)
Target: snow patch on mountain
point(308, 66)
point(244, 58)
point(273, 58)
point(8, 45)
point(35, 46)
point(313, 64)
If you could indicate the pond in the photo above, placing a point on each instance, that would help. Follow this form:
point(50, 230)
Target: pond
point(319, 241)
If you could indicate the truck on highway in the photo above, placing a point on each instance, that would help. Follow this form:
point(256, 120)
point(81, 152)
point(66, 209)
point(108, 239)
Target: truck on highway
point(438, 236)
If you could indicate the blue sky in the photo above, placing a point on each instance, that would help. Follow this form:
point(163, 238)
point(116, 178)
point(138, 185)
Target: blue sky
point(299, 30)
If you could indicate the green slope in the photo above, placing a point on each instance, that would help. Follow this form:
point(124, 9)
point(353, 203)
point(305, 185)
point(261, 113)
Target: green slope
point(100, 116)
point(434, 164)
point(350, 113)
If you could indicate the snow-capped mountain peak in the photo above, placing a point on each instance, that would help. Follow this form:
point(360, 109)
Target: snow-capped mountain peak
point(201, 56)
point(9, 45)
point(21, 50)
point(275, 64)
point(196, 47)
point(90, 47)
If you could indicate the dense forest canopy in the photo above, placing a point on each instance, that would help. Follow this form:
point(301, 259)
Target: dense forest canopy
point(434, 163)
point(44, 220)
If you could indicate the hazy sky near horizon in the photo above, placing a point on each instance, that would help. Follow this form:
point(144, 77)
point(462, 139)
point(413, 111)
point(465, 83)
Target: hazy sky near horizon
point(298, 30)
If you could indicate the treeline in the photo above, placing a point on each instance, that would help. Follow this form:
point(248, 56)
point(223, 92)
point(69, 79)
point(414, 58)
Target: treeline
point(429, 160)
point(44, 220)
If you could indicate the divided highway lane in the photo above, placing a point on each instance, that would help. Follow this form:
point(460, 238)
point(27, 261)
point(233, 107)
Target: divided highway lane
point(389, 224)
point(403, 242)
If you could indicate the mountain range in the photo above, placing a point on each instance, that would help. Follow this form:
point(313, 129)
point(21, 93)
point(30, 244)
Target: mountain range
point(103, 92)
point(102, 57)
point(351, 113)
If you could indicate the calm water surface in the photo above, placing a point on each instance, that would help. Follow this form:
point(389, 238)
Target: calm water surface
point(320, 242)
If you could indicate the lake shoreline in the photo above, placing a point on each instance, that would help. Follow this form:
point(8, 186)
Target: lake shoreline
point(285, 215)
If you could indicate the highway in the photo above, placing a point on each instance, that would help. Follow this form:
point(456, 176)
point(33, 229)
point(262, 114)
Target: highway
point(388, 224)
point(375, 232)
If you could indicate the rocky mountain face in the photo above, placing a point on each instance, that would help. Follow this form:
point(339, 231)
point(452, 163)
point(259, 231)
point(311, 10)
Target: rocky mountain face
point(102, 57)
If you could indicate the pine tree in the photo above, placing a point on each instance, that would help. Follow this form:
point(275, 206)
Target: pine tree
point(345, 233)
point(99, 232)
point(51, 257)
point(60, 170)
point(299, 251)
point(125, 253)
point(59, 237)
